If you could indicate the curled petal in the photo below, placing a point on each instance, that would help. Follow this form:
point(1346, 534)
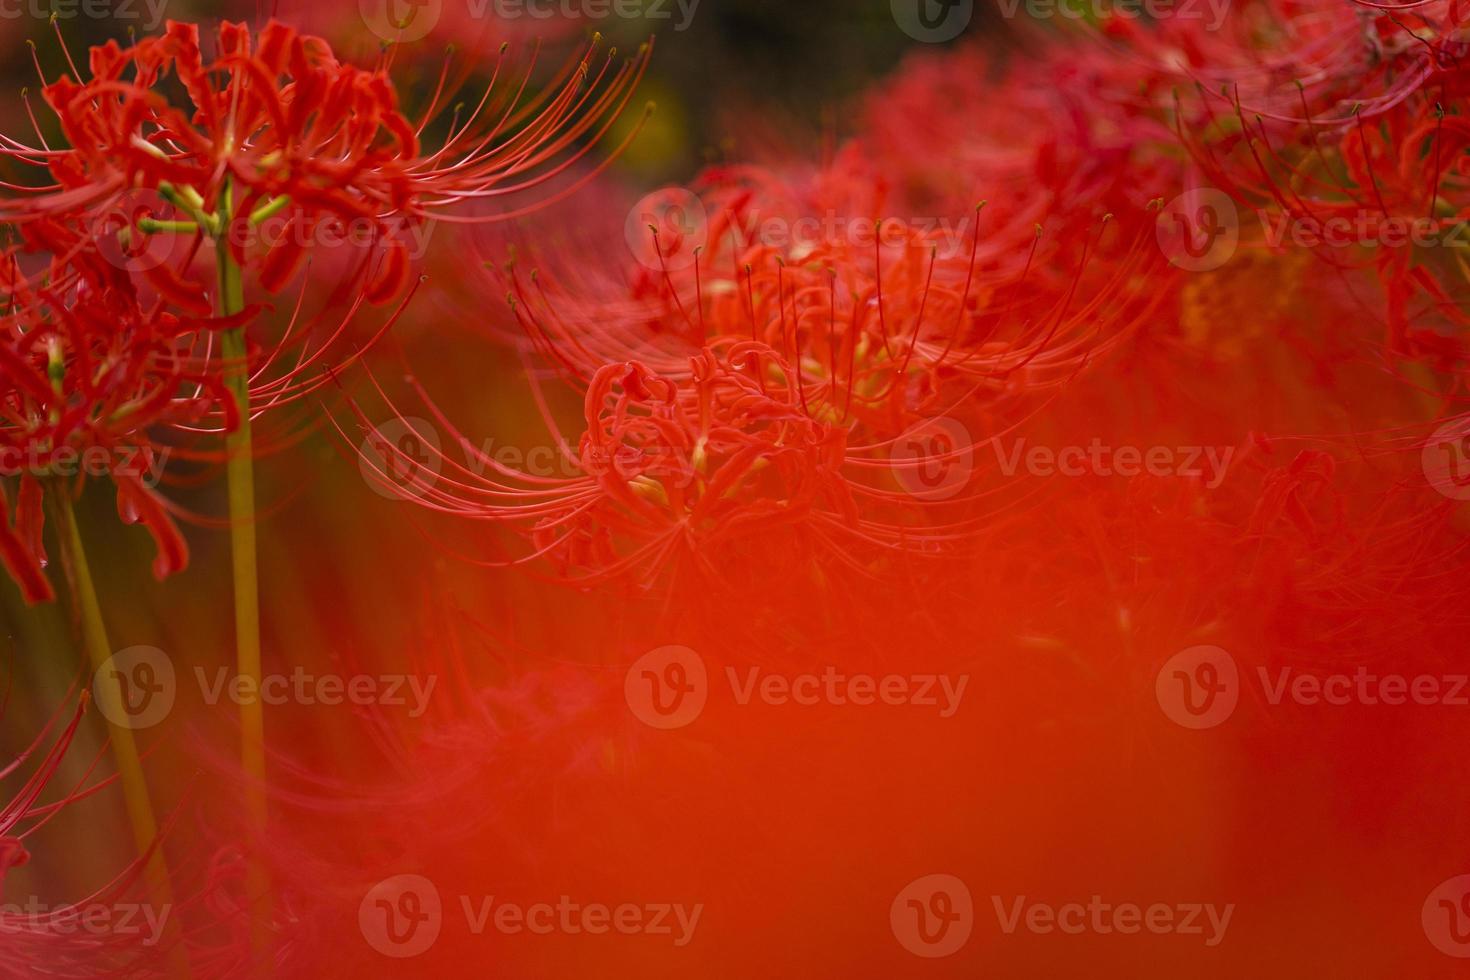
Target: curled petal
point(392, 276)
point(136, 504)
point(18, 546)
point(285, 257)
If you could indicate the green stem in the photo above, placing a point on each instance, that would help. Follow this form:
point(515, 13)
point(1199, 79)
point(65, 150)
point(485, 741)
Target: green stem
point(270, 209)
point(153, 226)
point(130, 773)
point(240, 476)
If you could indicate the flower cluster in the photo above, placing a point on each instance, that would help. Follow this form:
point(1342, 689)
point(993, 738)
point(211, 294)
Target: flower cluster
point(192, 176)
point(1345, 132)
point(84, 935)
point(952, 390)
point(275, 124)
point(677, 471)
point(1020, 315)
point(875, 330)
point(96, 378)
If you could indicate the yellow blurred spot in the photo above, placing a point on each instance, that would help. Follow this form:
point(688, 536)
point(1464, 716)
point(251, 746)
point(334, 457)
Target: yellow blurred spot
point(663, 142)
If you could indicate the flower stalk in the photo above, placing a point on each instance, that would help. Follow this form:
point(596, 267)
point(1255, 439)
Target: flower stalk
point(109, 691)
point(240, 480)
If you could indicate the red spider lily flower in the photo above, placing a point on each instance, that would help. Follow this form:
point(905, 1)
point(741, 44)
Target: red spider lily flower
point(117, 930)
point(1033, 136)
point(1381, 193)
point(1294, 108)
point(275, 127)
point(280, 155)
point(40, 937)
point(1342, 132)
point(23, 814)
point(93, 379)
point(1294, 61)
point(709, 476)
point(890, 321)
